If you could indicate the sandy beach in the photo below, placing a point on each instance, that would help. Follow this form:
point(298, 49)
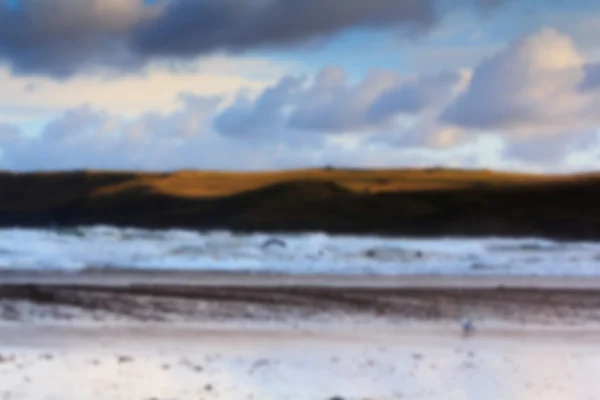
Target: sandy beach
point(141, 335)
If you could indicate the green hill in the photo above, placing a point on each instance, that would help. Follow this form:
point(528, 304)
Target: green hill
point(403, 202)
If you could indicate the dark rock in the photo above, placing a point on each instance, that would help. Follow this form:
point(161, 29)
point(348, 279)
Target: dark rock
point(274, 243)
point(124, 359)
point(6, 359)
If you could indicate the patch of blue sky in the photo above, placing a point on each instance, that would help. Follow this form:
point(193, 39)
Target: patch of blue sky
point(31, 125)
point(34, 128)
point(13, 5)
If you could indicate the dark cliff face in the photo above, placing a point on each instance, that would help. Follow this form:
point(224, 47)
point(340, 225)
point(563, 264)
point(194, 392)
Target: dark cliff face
point(558, 208)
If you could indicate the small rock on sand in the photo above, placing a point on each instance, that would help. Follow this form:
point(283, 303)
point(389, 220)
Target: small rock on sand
point(124, 359)
point(6, 359)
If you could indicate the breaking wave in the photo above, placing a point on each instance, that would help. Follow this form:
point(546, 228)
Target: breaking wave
point(316, 253)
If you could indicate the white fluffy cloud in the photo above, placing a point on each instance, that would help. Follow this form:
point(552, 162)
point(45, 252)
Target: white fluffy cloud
point(425, 92)
point(551, 151)
point(531, 85)
point(330, 104)
point(131, 95)
point(261, 117)
point(539, 94)
point(88, 138)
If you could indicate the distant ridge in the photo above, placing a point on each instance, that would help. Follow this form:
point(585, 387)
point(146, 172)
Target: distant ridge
point(392, 202)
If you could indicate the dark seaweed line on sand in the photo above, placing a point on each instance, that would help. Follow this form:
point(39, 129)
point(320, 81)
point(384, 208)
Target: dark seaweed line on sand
point(420, 303)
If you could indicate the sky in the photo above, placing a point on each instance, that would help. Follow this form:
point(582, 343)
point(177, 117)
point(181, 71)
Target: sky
point(164, 85)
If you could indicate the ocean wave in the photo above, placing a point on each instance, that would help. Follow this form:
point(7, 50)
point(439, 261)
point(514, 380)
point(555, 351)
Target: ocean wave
point(316, 253)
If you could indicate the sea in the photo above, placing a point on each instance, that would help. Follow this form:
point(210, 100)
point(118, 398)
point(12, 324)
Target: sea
point(106, 247)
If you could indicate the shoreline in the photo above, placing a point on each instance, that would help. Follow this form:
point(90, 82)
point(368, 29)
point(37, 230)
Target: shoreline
point(207, 278)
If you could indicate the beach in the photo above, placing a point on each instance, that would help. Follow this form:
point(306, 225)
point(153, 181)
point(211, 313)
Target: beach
point(168, 335)
point(299, 200)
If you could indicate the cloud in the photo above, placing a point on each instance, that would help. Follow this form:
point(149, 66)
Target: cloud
point(89, 138)
point(592, 78)
point(261, 117)
point(539, 94)
point(413, 97)
point(189, 27)
point(62, 38)
point(85, 137)
point(9, 132)
point(553, 151)
point(330, 104)
point(131, 95)
point(531, 85)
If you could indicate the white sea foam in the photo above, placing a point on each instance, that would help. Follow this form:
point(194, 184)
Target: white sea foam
point(108, 247)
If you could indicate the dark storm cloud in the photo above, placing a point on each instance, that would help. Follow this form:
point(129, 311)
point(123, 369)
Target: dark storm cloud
point(189, 27)
point(64, 37)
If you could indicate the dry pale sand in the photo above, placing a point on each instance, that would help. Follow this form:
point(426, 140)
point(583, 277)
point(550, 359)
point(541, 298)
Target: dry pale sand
point(149, 336)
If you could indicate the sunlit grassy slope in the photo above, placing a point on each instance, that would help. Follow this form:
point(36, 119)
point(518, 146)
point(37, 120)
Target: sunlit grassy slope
point(218, 184)
point(31, 190)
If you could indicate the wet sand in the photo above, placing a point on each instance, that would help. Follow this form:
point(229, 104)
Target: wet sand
point(166, 336)
point(197, 296)
point(125, 277)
